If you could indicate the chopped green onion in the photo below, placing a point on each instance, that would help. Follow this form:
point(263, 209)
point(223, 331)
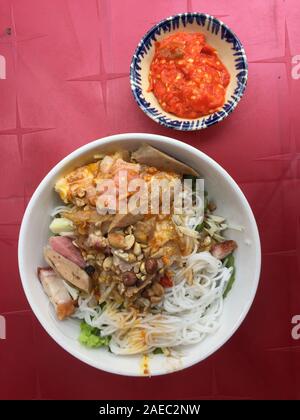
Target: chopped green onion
point(229, 263)
point(194, 179)
point(158, 350)
point(200, 227)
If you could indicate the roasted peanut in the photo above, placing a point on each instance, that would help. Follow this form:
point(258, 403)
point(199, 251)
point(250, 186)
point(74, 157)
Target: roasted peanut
point(129, 278)
point(116, 240)
point(143, 268)
point(136, 268)
point(151, 265)
point(155, 299)
point(158, 289)
point(137, 250)
point(100, 257)
point(129, 241)
point(122, 255)
point(119, 241)
point(131, 258)
point(107, 263)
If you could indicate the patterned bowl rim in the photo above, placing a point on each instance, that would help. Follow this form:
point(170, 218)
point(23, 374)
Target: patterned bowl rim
point(186, 125)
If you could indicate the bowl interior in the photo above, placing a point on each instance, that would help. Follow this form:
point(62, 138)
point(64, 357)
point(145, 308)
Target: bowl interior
point(218, 36)
point(231, 203)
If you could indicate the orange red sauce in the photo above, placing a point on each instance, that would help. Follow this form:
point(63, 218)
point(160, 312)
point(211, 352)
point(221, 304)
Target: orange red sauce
point(187, 77)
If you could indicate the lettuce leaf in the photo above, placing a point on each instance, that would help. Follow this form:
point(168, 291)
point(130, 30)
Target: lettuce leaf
point(90, 336)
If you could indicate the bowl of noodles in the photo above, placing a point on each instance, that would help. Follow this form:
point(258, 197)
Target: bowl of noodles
point(139, 254)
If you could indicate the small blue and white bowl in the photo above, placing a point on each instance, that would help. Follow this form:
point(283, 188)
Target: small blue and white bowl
point(218, 35)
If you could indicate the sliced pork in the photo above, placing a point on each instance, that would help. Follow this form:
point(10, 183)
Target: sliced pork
point(223, 249)
point(56, 290)
point(65, 247)
point(150, 156)
point(68, 270)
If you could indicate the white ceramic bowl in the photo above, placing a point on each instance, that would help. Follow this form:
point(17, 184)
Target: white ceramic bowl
point(219, 36)
point(231, 203)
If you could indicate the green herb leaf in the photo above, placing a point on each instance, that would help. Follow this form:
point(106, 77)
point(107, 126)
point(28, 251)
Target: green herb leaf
point(158, 350)
point(229, 261)
point(200, 227)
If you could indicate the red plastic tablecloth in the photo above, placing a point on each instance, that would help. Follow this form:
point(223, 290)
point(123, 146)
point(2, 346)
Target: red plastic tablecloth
point(67, 65)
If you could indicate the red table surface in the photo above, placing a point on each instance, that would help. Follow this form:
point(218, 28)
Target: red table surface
point(67, 65)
